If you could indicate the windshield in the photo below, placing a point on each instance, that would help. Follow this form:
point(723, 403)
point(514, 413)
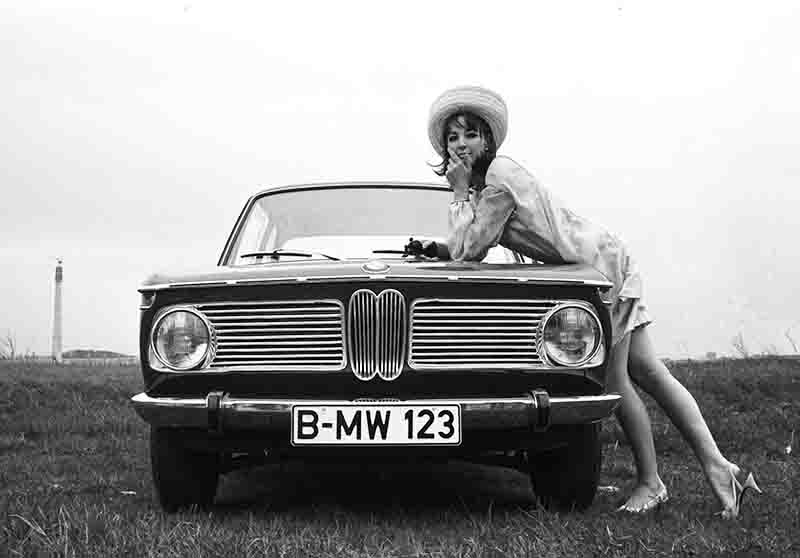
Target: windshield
point(345, 223)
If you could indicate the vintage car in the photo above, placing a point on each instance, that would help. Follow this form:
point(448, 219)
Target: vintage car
point(334, 327)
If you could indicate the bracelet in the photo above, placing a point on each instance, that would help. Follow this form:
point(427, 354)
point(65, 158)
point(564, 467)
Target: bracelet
point(460, 200)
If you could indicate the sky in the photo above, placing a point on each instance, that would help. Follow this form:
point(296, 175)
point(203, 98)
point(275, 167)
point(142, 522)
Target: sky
point(131, 134)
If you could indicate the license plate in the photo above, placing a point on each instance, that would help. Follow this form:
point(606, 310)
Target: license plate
point(360, 424)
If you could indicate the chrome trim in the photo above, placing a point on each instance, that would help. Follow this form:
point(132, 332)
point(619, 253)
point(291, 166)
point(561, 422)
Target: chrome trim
point(210, 349)
point(283, 326)
point(494, 413)
point(257, 325)
point(375, 266)
point(279, 344)
point(360, 316)
point(540, 361)
point(391, 334)
point(363, 278)
point(542, 349)
point(376, 330)
point(147, 300)
point(314, 313)
point(354, 184)
point(424, 331)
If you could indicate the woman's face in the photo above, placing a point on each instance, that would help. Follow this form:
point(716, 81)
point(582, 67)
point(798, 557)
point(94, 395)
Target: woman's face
point(468, 143)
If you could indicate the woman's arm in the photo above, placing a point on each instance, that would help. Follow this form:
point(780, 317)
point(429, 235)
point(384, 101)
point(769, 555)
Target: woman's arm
point(474, 227)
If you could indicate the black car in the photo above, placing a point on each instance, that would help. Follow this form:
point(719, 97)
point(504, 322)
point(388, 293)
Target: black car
point(330, 330)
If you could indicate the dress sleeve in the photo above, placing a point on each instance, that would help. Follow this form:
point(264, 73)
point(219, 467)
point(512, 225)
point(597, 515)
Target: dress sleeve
point(477, 224)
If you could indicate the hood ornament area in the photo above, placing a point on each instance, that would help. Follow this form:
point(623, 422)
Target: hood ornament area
point(375, 266)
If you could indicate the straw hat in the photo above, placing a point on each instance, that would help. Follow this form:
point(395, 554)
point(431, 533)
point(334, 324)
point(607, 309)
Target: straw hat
point(480, 101)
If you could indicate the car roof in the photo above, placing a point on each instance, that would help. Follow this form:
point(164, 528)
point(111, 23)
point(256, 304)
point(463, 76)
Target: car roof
point(348, 184)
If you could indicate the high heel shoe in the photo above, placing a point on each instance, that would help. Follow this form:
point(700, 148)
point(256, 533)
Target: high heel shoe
point(738, 490)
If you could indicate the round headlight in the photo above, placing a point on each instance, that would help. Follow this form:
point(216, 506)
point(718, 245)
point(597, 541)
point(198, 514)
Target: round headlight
point(181, 339)
point(571, 336)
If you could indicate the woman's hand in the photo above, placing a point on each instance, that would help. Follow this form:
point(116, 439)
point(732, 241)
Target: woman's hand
point(459, 173)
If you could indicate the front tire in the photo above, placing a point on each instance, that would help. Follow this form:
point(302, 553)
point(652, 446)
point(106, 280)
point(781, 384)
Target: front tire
point(566, 478)
point(182, 478)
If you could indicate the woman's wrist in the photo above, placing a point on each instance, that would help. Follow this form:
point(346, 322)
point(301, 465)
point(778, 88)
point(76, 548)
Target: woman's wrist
point(460, 194)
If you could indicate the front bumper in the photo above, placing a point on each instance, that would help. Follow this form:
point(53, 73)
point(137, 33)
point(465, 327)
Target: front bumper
point(219, 412)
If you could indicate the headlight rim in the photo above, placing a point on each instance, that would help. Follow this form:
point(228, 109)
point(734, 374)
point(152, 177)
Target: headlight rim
point(542, 348)
point(210, 349)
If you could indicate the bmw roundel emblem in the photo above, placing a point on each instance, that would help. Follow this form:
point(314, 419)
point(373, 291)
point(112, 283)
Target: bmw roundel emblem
point(375, 266)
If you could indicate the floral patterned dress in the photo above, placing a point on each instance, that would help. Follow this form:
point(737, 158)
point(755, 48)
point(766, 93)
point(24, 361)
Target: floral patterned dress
point(516, 211)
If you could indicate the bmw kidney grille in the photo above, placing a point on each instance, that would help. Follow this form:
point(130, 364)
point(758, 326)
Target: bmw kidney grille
point(376, 333)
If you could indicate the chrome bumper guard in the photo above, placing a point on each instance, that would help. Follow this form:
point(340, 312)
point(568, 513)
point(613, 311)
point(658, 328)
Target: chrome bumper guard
point(218, 411)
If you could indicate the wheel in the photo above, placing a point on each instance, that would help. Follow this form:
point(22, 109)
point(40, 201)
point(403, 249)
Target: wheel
point(565, 478)
point(182, 478)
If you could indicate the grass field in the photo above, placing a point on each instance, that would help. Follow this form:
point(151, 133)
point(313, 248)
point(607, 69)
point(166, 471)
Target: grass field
point(75, 481)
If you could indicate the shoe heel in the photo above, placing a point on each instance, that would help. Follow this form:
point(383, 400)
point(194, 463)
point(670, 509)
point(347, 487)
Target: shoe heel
point(750, 482)
point(739, 490)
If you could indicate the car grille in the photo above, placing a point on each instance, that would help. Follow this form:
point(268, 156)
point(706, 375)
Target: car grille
point(278, 335)
point(469, 333)
point(376, 333)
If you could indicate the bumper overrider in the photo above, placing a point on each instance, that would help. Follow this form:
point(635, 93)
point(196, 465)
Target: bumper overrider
point(219, 412)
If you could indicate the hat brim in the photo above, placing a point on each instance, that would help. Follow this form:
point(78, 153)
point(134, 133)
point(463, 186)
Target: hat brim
point(481, 102)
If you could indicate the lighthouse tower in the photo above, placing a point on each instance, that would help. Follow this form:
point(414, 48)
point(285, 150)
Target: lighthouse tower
point(57, 313)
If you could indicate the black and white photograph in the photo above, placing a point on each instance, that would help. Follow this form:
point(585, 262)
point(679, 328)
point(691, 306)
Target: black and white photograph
point(395, 280)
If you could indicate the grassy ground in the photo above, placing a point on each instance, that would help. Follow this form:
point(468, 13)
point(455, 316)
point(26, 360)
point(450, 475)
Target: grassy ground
point(75, 481)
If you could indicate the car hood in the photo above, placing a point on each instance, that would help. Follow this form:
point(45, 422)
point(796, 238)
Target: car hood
point(377, 270)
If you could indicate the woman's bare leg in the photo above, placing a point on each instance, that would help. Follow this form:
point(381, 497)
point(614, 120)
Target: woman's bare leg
point(632, 416)
point(650, 373)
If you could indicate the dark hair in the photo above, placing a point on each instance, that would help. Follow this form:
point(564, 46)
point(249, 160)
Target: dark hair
point(478, 124)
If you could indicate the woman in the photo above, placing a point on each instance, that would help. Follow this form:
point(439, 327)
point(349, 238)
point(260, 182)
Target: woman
point(496, 201)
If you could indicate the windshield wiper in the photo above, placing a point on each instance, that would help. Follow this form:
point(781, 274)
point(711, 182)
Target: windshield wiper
point(276, 254)
point(417, 248)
